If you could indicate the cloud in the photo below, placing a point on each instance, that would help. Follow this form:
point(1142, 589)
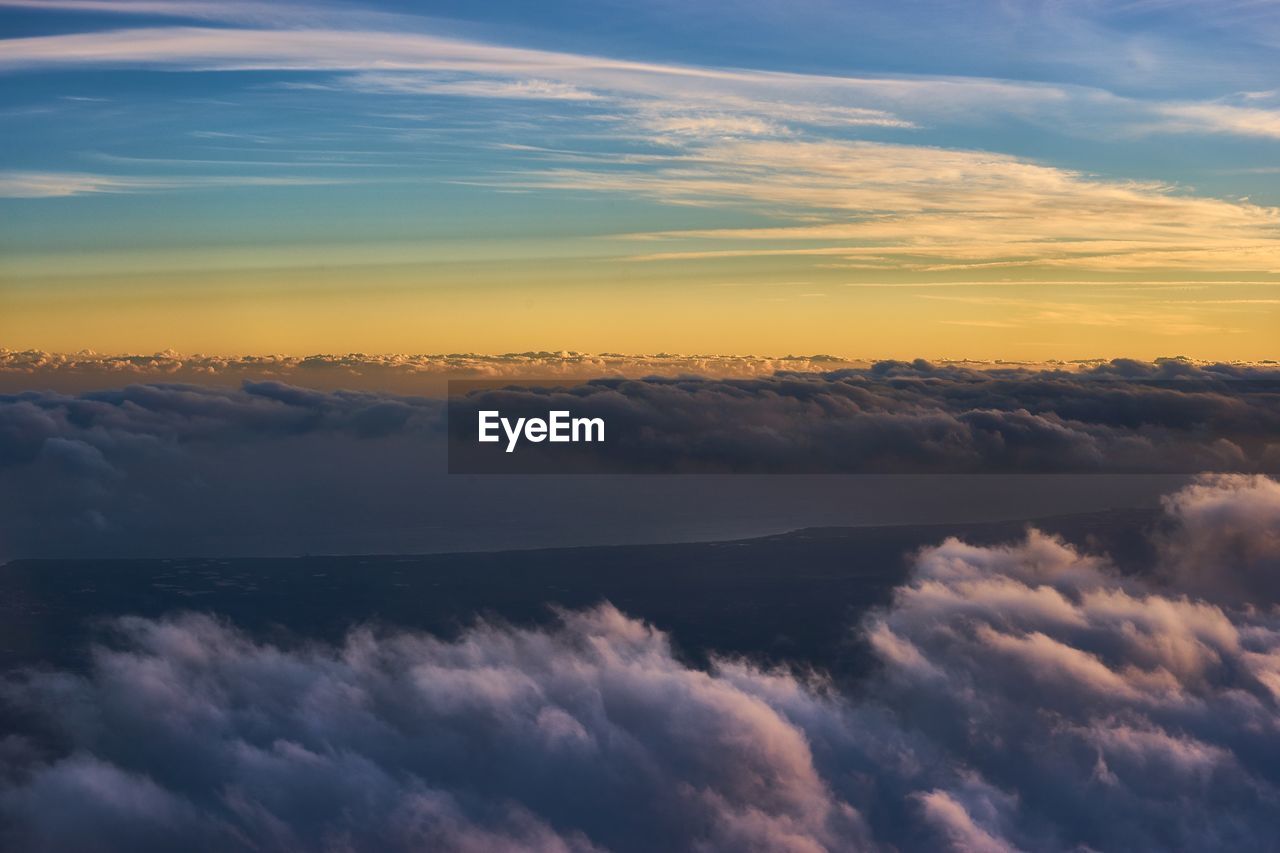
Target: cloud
point(165, 415)
point(896, 417)
point(374, 371)
point(177, 8)
point(891, 417)
point(400, 61)
point(386, 52)
point(1158, 319)
point(391, 53)
point(37, 184)
point(1147, 45)
point(524, 739)
point(241, 12)
point(1029, 697)
point(772, 143)
point(206, 48)
point(1226, 544)
point(1100, 700)
point(413, 372)
point(1222, 118)
point(93, 465)
point(930, 209)
point(510, 89)
point(186, 464)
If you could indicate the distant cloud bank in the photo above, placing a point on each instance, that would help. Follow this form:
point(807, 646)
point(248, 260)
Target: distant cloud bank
point(428, 371)
point(420, 372)
point(1030, 697)
point(196, 465)
point(899, 417)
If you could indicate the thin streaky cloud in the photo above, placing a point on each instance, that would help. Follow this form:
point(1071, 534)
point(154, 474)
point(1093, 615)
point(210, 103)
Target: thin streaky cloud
point(23, 184)
point(208, 49)
point(933, 209)
point(231, 163)
point(503, 70)
point(508, 89)
point(1220, 118)
point(243, 12)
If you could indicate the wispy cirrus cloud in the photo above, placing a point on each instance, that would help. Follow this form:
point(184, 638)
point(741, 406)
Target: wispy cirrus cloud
point(36, 184)
point(775, 144)
point(1220, 118)
point(242, 12)
point(924, 208)
point(308, 37)
point(1168, 317)
point(388, 61)
point(424, 84)
point(297, 37)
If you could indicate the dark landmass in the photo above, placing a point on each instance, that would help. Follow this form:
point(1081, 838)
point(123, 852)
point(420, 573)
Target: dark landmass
point(788, 599)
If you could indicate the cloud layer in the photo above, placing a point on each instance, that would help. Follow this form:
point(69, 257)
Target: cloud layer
point(898, 417)
point(1029, 698)
point(414, 372)
point(187, 468)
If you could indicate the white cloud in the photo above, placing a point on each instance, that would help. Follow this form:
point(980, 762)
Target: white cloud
point(1220, 118)
point(1231, 515)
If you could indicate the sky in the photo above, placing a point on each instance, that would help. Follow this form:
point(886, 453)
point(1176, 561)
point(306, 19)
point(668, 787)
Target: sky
point(1016, 180)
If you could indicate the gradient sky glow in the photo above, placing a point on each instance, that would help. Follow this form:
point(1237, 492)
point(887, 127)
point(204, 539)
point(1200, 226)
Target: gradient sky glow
point(1024, 180)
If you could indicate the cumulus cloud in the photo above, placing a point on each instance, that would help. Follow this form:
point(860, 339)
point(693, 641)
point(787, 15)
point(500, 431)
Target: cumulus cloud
point(1226, 545)
point(1029, 697)
point(588, 736)
point(1102, 703)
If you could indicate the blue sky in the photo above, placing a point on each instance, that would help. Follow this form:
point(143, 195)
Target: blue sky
point(467, 155)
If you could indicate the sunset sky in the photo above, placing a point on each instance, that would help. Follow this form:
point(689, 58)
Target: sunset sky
point(1017, 180)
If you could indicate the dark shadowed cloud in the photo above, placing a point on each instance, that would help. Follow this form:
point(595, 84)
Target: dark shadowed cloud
point(897, 417)
point(271, 468)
